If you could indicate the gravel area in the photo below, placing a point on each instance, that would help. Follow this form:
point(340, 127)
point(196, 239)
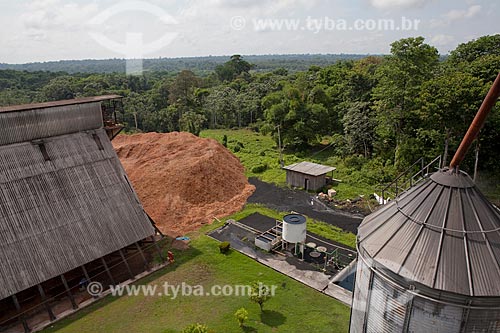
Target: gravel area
point(285, 199)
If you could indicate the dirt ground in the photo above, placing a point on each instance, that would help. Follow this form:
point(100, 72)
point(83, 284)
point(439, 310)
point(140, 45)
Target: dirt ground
point(183, 181)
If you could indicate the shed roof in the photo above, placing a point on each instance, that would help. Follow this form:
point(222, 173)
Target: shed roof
point(443, 234)
point(309, 168)
point(44, 105)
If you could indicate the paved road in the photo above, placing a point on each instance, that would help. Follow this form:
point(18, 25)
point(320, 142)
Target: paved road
point(285, 199)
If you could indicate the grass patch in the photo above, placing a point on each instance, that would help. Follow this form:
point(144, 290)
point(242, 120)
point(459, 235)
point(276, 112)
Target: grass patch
point(318, 227)
point(204, 265)
point(332, 232)
point(256, 150)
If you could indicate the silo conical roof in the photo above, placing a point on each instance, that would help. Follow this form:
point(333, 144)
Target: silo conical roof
point(442, 234)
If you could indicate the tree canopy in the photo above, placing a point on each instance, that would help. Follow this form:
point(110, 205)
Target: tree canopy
point(387, 109)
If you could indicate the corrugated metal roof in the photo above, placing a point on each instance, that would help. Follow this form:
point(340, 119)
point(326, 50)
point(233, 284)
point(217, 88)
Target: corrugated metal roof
point(44, 105)
point(41, 123)
point(309, 168)
point(443, 234)
point(58, 214)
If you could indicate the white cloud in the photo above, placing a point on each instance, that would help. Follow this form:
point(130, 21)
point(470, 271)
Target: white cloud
point(276, 5)
point(456, 15)
point(388, 4)
point(442, 40)
point(38, 30)
point(42, 16)
point(223, 8)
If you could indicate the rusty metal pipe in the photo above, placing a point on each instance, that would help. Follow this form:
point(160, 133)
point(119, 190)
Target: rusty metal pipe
point(477, 123)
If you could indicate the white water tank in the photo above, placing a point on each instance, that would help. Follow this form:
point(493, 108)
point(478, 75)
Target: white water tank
point(294, 228)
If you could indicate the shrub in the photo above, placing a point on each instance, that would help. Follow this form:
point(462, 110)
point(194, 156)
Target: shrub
point(236, 149)
point(224, 140)
point(241, 316)
point(224, 247)
point(266, 128)
point(263, 153)
point(259, 168)
point(195, 328)
point(354, 162)
point(376, 172)
point(260, 293)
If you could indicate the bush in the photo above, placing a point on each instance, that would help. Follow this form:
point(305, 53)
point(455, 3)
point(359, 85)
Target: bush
point(259, 168)
point(224, 140)
point(224, 247)
point(263, 153)
point(241, 316)
point(354, 162)
point(195, 328)
point(260, 294)
point(377, 171)
point(236, 149)
point(266, 128)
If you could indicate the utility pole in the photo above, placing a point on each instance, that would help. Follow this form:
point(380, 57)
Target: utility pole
point(476, 161)
point(282, 164)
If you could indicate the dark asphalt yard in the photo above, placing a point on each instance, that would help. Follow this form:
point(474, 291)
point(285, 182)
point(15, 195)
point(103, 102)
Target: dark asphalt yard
point(285, 199)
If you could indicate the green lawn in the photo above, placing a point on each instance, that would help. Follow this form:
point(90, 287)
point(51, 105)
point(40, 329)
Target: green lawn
point(257, 150)
point(261, 150)
point(295, 308)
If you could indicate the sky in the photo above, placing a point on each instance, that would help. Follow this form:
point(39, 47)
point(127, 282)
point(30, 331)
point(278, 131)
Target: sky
point(48, 30)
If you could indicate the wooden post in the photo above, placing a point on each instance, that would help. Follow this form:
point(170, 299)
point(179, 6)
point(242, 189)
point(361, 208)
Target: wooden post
point(282, 163)
point(108, 271)
point(46, 304)
point(68, 291)
point(85, 273)
point(87, 277)
point(21, 317)
point(126, 264)
point(159, 250)
point(146, 264)
point(476, 162)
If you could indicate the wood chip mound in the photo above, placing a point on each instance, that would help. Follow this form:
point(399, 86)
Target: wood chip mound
point(183, 181)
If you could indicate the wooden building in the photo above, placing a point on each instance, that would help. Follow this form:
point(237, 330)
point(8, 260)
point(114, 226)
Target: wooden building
point(307, 175)
point(65, 201)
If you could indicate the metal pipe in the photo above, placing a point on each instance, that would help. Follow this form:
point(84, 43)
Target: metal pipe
point(477, 123)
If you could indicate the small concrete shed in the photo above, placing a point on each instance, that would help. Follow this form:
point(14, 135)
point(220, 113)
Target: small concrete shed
point(308, 175)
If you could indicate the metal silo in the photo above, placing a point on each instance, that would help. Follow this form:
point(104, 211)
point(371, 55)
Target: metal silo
point(429, 261)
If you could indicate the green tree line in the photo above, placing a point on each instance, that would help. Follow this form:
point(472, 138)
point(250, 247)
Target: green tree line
point(390, 109)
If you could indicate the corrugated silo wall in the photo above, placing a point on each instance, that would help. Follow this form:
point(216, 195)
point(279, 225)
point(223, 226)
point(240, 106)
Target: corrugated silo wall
point(382, 306)
point(27, 125)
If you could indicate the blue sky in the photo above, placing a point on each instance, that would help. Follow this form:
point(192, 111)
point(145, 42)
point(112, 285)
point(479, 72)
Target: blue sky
point(44, 30)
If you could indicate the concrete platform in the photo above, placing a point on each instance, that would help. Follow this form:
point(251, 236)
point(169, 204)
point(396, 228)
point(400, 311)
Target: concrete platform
point(291, 266)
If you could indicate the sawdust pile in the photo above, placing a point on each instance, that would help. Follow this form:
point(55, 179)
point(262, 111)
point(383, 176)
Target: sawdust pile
point(182, 180)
